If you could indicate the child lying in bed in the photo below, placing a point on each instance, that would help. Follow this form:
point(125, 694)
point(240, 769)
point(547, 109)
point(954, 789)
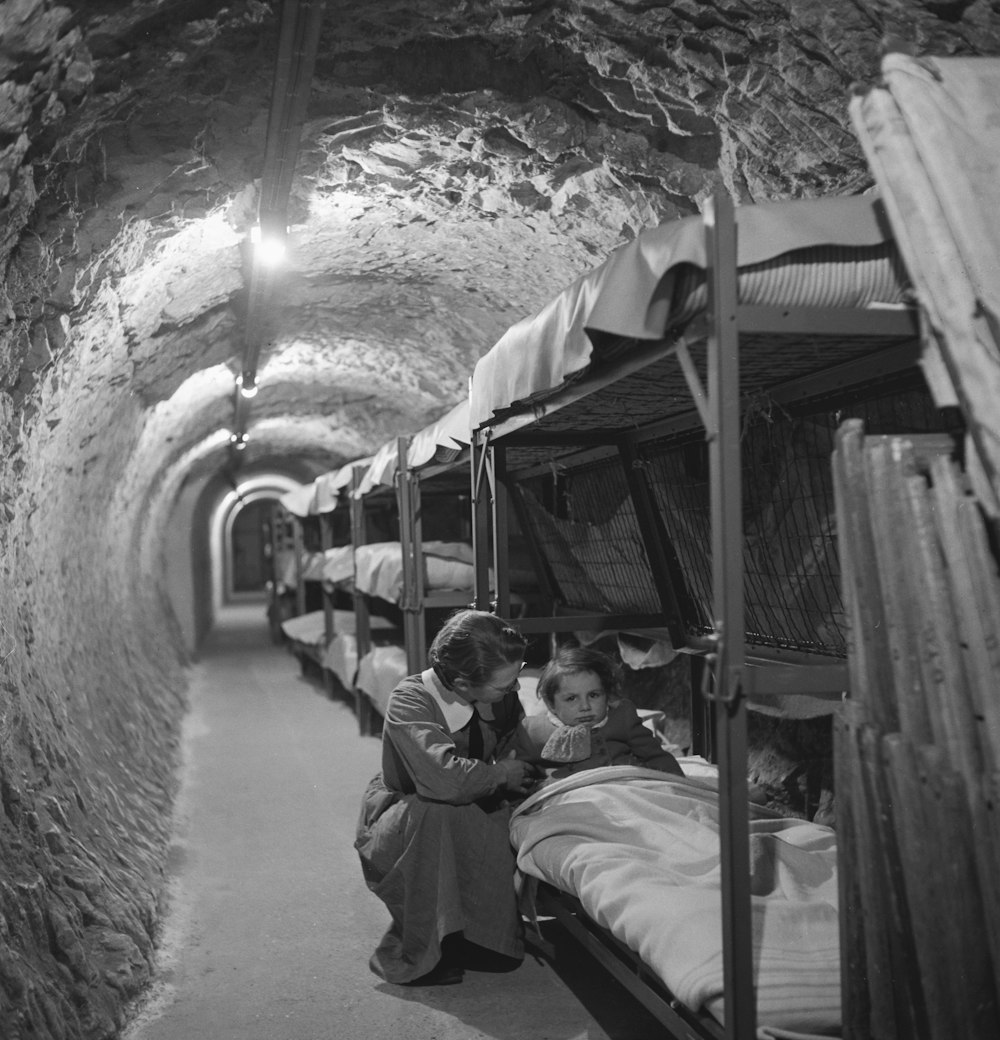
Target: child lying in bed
point(587, 723)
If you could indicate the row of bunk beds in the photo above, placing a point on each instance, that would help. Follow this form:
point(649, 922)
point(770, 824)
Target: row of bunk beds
point(379, 608)
point(724, 441)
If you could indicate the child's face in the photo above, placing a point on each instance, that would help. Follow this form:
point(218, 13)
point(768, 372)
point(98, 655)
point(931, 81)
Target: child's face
point(580, 699)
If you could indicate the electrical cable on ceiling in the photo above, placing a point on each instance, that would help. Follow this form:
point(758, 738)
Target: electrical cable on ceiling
point(298, 45)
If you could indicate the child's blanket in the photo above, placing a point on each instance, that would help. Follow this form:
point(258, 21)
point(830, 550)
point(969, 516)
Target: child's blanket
point(640, 850)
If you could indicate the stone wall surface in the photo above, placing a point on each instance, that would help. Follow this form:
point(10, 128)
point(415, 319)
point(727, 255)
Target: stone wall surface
point(460, 163)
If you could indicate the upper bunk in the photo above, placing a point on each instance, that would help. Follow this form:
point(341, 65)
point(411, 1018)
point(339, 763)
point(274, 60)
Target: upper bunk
point(602, 413)
point(416, 481)
point(820, 287)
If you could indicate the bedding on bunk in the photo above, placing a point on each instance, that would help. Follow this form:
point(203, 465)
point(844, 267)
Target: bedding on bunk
point(287, 573)
point(306, 629)
point(341, 658)
point(447, 565)
point(379, 673)
point(338, 565)
point(640, 850)
point(832, 252)
point(341, 654)
point(312, 566)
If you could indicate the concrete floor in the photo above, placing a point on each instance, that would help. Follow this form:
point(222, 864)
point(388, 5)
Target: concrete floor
point(270, 926)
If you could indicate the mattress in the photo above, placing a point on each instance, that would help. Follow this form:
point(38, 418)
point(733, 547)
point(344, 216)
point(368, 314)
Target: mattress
point(640, 850)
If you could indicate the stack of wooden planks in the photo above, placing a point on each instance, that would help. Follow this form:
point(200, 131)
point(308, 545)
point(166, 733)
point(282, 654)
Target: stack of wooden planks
point(918, 744)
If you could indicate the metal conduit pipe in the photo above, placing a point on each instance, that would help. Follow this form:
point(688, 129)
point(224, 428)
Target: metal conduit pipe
point(298, 46)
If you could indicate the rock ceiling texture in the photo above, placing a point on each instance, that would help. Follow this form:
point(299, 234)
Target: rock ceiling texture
point(461, 161)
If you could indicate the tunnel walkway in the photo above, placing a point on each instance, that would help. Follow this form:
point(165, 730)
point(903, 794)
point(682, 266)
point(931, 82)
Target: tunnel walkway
point(270, 926)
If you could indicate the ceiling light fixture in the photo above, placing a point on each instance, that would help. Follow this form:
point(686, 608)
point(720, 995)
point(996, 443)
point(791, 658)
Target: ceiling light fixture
point(269, 247)
point(247, 385)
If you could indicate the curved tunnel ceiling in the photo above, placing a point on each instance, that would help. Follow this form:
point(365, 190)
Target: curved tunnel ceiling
point(459, 164)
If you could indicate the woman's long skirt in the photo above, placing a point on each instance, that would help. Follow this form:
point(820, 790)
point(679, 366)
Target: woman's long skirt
point(439, 869)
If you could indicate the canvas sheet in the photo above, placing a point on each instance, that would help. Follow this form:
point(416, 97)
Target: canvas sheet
point(632, 293)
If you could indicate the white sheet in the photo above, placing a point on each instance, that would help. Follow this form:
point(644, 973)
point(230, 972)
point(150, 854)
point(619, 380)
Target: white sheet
point(308, 629)
point(447, 565)
point(640, 850)
point(341, 658)
point(338, 564)
point(379, 672)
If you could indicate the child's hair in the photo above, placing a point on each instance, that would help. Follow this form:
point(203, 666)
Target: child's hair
point(472, 645)
point(569, 661)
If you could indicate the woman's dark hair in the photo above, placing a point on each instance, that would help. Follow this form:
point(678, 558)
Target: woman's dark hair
point(569, 661)
point(472, 645)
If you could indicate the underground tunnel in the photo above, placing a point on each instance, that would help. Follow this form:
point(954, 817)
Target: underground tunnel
point(435, 172)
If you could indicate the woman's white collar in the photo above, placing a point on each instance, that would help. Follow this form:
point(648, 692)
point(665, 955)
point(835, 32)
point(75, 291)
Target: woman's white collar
point(456, 711)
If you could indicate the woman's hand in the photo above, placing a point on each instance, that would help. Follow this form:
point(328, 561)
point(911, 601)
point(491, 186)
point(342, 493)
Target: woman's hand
point(518, 776)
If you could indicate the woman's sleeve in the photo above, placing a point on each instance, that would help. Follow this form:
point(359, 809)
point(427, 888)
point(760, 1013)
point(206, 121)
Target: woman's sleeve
point(418, 735)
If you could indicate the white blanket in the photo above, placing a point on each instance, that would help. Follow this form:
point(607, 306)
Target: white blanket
point(640, 850)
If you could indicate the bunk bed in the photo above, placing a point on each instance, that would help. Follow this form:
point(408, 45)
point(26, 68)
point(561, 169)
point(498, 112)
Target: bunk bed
point(424, 477)
point(295, 564)
point(319, 567)
point(279, 535)
point(663, 431)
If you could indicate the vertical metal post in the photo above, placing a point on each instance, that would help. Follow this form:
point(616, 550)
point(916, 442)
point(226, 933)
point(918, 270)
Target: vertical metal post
point(300, 585)
point(326, 542)
point(501, 533)
point(479, 459)
point(408, 495)
point(362, 629)
point(727, 594)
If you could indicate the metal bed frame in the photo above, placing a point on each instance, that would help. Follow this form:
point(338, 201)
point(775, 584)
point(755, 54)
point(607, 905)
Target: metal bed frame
point(303, 652)
point(731, 669)
point(407, 495)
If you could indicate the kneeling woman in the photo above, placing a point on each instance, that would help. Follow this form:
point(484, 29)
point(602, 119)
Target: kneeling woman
point(433, 836)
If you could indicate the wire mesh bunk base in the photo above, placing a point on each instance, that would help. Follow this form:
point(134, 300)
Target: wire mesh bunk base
point(626, 967)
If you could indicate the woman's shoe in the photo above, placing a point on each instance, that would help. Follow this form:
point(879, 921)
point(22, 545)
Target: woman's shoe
point(478, 958)
point(441, 974)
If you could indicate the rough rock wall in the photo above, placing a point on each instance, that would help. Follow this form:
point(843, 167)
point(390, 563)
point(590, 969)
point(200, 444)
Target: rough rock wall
point(461, 163)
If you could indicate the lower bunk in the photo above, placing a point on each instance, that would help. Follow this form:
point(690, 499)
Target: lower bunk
point(333, 658)
point(305, 638)
point(628, 861)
